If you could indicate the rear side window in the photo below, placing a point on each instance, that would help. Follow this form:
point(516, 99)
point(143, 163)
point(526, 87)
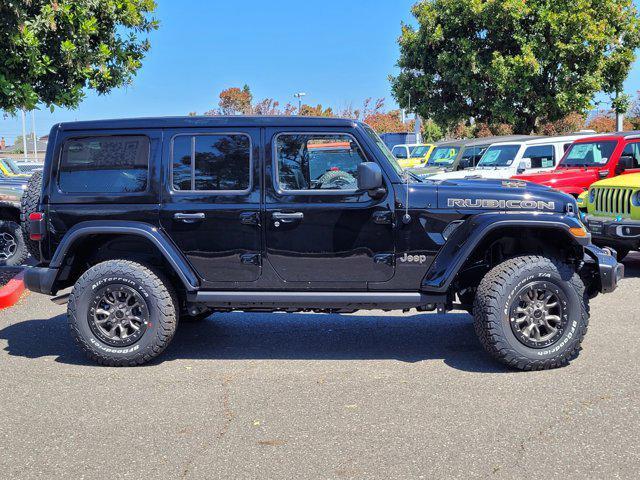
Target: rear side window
point(473, 154)
point(542, 156)
point(108, 164)
point(216, 162)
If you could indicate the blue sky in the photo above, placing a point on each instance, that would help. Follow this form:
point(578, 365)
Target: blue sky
point(339, 52)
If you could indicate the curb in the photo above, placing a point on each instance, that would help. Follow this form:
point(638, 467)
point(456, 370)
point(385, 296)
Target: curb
point(12, 291)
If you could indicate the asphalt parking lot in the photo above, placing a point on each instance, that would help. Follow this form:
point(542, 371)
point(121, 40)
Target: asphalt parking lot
point(375, 395)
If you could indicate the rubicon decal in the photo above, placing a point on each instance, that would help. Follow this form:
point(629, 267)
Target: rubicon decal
point(508, 204)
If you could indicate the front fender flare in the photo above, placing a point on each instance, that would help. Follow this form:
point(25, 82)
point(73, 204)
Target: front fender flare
point(169, 251)
point(468, 236)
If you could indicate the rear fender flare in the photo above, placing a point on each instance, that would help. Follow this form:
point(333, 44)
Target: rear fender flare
point(169, 251)
point(462, 243)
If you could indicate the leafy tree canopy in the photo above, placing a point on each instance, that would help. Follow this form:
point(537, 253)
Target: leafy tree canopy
point(517, 62)
point(52, 50)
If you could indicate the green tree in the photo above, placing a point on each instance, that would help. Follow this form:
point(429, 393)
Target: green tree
point(431, 132)
point(18, 143)
point(519, 62)
point(52, 50)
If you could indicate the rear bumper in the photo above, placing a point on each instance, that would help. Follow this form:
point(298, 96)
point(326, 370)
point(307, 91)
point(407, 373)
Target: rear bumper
point(606, 268)
point(41, 280)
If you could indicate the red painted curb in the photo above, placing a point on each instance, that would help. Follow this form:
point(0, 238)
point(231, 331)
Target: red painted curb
point(12, 291)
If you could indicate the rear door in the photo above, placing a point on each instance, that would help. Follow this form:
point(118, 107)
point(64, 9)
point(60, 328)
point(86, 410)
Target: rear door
point(211, 202)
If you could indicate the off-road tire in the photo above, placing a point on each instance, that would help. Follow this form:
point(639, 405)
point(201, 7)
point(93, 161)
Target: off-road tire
point(495, 296)
point(29, 204)
point(20, 252)
point(335, 175)
point(160, 301)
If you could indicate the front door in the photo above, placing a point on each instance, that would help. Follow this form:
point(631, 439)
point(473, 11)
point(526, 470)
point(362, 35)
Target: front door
point(211, 206)
point(320, 230)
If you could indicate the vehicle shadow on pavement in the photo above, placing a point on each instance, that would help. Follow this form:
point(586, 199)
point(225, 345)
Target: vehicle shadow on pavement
point(632, 265)
point(270, 336)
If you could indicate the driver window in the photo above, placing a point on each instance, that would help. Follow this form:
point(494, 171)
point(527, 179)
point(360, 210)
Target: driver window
point(633, 150)
point(542, 156)
point(399, 152)
point(317, 162)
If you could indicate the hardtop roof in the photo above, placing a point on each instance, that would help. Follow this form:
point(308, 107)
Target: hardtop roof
point(205, 121)
point(482, 140)
point(535, 140)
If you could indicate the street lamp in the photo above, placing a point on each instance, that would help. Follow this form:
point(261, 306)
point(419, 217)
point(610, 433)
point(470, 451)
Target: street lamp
point(299, 96)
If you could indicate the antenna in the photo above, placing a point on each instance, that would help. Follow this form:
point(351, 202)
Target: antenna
point(406, 218)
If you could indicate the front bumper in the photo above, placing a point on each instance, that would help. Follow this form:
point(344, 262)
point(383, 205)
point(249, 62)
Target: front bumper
point(608, 272)
point(41, 280)
point(610, 231)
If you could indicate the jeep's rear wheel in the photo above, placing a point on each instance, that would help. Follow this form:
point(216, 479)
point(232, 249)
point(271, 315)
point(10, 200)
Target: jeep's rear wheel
point(532, 313)
point(121, 313)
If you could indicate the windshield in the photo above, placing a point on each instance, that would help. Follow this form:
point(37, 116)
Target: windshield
point(588, 154)
point(419, 152)
point(499, 156)
point(444, 155)
point(383, 147)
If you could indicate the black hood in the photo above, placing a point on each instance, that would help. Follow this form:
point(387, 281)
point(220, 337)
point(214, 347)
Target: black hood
point(489, 194)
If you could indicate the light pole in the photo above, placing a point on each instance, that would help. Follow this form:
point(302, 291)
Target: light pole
point(299, 96)
point(35, 137)
point(24, 134)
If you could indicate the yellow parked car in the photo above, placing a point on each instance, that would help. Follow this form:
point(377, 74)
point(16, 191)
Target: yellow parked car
point(9, 168)
point(611, 211)
point(413, 155)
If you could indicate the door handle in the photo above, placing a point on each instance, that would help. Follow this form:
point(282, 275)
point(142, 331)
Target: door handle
point(189, 217)
point(250, 218)
point(287, 217)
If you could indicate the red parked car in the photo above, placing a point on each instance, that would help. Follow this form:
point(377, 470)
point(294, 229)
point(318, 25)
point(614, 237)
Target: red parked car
point(590, 159)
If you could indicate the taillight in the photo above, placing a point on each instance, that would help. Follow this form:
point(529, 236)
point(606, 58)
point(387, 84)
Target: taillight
point(36, 226)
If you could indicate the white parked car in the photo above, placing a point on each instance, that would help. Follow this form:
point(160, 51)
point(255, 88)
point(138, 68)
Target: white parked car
point(507, 159)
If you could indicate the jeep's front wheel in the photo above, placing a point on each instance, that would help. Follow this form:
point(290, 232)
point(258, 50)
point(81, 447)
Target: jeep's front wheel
point(121, 313)
point(532, 313)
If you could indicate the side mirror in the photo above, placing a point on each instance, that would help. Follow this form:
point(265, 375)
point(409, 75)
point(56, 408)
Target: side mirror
point(369, 176)
point(525, 164)
point(624, 163)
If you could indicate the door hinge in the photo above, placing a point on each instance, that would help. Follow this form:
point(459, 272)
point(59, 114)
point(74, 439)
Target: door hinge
point(251, 259)
point(384, 259)
point(250, 218)
point(383, 218)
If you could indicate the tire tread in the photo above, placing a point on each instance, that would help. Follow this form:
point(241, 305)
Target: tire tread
point(162, 293)
point(495, 286)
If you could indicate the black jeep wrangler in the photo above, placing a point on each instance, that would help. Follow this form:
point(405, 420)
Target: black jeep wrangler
point(157, 220)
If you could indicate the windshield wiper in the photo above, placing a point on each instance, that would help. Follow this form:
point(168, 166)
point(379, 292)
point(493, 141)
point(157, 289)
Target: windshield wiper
point(413, 175)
